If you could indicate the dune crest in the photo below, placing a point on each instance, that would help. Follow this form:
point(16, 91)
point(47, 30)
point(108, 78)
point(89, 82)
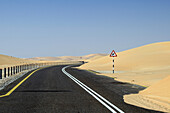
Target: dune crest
point(69, 58)
point(156, 97)
point(147, 65)
point(9, 60)
point(152, 55)
point(139, 65)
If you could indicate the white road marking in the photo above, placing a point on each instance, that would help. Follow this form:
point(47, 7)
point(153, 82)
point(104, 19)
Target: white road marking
point(98, 97)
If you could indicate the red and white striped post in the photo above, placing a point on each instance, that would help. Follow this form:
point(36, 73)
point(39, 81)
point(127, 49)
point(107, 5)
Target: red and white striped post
point(113, 54)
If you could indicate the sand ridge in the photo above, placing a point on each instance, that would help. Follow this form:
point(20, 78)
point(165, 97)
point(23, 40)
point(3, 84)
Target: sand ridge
point(69, 58)
point(10, 61)
point(157, 96)
point(150, 62)
point(147, 65)
point(7, 61)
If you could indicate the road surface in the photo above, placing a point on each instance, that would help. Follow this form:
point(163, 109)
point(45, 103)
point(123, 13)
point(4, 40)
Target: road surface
point(50, 90)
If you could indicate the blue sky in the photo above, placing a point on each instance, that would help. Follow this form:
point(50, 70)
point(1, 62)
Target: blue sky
point(32, 28)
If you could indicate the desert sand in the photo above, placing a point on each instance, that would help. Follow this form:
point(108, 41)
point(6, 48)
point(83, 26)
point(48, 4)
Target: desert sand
point(69, 58)
point(9, 61)
point(150, 63)
point(148, 66)
point(156, 97)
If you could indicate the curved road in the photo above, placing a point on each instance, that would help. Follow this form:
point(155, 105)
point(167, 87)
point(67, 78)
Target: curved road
point(51, 90)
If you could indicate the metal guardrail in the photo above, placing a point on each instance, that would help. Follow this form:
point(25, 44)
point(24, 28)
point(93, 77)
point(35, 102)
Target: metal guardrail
point(13, 70)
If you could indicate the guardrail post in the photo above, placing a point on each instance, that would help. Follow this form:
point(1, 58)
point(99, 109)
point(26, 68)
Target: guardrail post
point(18, 69)
point(4, 72)
point(0, 73)
point(14, 70)
point(8, 71)
point(11, 71)
point(21, 68)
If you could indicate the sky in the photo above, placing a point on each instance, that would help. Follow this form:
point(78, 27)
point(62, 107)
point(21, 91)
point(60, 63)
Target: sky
point(40, 28)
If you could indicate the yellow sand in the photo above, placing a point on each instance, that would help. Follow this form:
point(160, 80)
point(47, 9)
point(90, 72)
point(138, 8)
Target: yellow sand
point(9, 60)
point(148, 65)
point(69, 58)
point(144, 65)
point(156, 97)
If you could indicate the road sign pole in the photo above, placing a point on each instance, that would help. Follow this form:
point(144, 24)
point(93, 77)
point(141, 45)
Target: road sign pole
point(113, 54)
point(113, 65)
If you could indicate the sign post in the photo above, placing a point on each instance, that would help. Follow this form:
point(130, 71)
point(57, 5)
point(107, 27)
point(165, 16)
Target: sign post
point(113, 54)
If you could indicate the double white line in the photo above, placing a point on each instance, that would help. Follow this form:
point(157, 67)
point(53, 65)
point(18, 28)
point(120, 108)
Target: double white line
point(98, 97)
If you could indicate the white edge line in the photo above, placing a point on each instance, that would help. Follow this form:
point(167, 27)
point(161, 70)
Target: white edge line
point(70, 76)
point(101, 97)
point(86, 88)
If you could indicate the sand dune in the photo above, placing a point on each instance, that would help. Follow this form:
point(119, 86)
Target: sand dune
point(156, 97)
point(146, 62)
point(9, 60)
point(68, 58)
point(160, 89)
point(152, 55)
point(148, 65)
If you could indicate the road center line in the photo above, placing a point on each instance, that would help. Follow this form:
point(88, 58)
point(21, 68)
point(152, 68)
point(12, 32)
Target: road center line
point(98, 97)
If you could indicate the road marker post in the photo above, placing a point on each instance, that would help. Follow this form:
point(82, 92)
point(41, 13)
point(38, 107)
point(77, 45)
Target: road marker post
point(113, 54)
point(14, 70)
point(11, 71)
point(4, 72)
point(0, 73)
point(8, 71)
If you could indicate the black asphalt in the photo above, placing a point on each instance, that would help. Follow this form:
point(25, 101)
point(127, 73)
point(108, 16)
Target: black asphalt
point(50, 91)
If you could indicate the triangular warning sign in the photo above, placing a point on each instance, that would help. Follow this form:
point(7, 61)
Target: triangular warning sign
point(113, 54)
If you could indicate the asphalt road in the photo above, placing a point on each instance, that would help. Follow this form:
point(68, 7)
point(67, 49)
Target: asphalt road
point(49, 90)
